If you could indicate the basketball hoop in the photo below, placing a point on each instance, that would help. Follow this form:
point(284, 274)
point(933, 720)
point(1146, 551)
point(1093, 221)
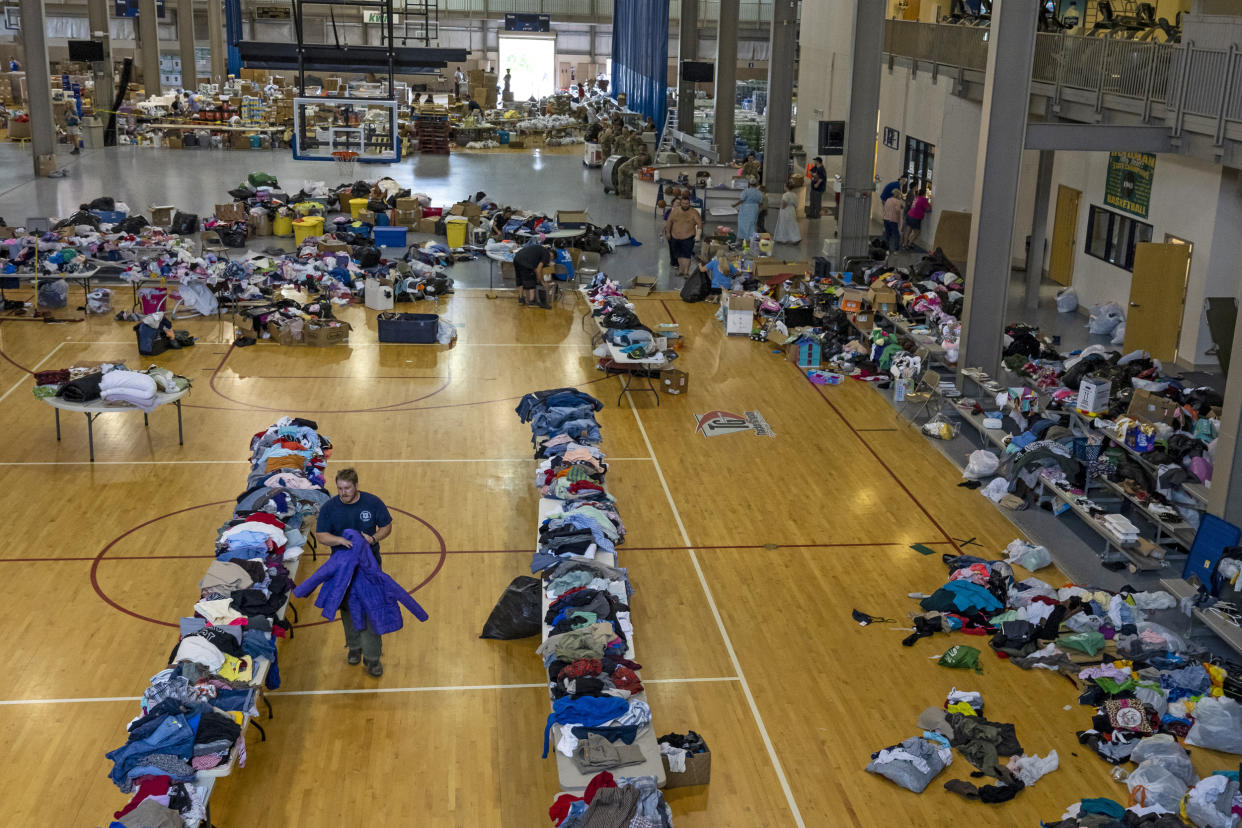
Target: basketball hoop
point(346, 163)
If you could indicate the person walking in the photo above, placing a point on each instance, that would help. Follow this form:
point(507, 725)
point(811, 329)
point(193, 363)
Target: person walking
point(819, 185)
point(748, 210)
point(353, 510)
point(918, 211)
point(787, 231)
point(529, 264)
point(683, 227)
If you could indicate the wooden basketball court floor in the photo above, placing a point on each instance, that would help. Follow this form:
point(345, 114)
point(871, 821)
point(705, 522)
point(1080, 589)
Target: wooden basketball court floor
point(747, 554)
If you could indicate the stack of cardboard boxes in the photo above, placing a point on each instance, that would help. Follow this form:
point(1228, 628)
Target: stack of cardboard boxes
point(483, 87)
point(862, 304)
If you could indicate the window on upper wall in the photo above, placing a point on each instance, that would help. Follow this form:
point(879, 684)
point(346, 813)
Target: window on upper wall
point(1112, 237)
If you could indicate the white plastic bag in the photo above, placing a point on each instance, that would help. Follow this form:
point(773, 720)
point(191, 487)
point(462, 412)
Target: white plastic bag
point(940, 428)
point(1218, 725)
point(1027, 556)
point(995, 490)
point(1119, 335)
point(1153, 784)
point(1030, 768)
point(981, 464)
point(1105, 318)
point(1163, 748)
point(1067, 300)
point(1210, 801)
point(446, 332)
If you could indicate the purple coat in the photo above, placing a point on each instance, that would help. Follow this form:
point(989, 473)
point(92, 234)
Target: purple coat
point(352, 577)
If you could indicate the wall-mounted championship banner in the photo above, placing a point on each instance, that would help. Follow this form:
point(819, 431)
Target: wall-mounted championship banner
point(1129, 181)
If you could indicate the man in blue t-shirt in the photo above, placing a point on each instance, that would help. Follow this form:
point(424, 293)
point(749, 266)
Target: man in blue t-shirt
point(367, 514)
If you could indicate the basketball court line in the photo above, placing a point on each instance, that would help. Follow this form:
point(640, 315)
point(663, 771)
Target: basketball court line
point(241, 461)
point(367, 690)
point(720, 625)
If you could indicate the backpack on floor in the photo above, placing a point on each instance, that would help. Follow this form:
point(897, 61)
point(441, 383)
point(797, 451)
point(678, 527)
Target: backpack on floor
point(696, 287)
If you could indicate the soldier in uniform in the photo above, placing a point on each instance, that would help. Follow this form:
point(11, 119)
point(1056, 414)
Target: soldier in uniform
point(625, 176)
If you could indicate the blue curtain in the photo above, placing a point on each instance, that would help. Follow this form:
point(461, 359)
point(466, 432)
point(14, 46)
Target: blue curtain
point(640, 55)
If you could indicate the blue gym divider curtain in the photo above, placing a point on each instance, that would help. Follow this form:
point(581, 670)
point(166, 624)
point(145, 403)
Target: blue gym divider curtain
point(640, 55)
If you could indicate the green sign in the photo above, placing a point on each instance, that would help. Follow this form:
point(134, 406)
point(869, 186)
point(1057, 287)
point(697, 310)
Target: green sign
point(1129, 181)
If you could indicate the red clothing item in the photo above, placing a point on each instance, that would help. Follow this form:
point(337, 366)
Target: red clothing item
point(580, 668)
point(264, 517)
point(560, 808)
point(147, 786)
point(603, 779)
point(623, 678)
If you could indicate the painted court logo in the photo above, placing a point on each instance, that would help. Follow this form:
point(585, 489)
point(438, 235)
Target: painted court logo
point(716, 423)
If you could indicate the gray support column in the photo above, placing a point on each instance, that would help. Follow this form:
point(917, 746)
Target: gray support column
point(38, 81)
point(185, 40)
point(149, 47)
point(858, 181)
point(1006, 99)
point(215, 33)
point(687, 49)
point(1039, 229)
point(725, 96)
point(783, 45)
point(97, 15)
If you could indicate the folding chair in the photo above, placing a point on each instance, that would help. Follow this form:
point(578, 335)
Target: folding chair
point(926, 391)
point(586, 268)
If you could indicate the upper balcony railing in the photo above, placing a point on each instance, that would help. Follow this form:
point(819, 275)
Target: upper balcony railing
point(1185, 80)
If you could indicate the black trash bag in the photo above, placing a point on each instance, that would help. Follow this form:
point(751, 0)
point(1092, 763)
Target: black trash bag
point(102, 203)
point(184, 224)
point(377, 206)
point(232, 236)
point(696, 288)
point(241, 194)
point(360, 189)
point(132, 225)
point(516, 614)
point(80, 217)
point(367, 256)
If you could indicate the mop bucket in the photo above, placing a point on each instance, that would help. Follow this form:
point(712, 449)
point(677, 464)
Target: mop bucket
point(306, 227)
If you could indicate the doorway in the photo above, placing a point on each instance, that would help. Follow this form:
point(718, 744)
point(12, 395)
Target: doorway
point(532, 60)
point(1064, 236)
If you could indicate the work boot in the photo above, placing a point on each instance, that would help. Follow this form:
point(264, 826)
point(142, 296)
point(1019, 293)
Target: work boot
point(354, 656)
point(375, 668)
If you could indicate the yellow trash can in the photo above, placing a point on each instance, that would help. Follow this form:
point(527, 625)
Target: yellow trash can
point(356, 206)
point(282, 225)
point(307, 226)
point(455, 229)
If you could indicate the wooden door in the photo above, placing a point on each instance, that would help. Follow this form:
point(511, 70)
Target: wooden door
point(1064, 236)
point(1157, 298)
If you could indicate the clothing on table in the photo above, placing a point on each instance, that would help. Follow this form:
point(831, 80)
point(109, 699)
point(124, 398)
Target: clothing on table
point(595, 753)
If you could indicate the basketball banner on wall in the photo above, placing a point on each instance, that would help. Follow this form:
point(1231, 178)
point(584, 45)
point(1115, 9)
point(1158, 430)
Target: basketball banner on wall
point(716, 423)
point(1129, 181)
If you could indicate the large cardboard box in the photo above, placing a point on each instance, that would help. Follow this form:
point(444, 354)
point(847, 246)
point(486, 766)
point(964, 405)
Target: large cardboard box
point(45, 164)
point(406, 218)
point(739, 314)
point(281, 335)
point(698, 771)
point(864, 320)
point(853, 299)
point(674, 381)
point(1093, 395)
point(366, 216)
point(427, 225)
point(1151, 408)
point(466, 208)
point(321, 336)
point(231, 212)
point(378, 293)
point(408, 205)
point(239, 140)
point(332, 247)
point(19, 129)
point(642, 286)
point(572, 219)
point(882, 299)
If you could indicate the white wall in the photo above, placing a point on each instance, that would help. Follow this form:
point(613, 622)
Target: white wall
point(825, 42)
point(1185, 197)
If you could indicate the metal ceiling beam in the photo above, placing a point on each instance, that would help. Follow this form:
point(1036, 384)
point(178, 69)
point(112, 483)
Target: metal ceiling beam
point(1073, 137)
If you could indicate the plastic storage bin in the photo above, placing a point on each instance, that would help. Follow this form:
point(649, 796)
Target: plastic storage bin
point(410, 328)
point(389, 236)
point(306, 227)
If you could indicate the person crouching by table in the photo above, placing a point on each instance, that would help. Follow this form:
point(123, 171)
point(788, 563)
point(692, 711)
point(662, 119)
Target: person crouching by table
point(530, 264)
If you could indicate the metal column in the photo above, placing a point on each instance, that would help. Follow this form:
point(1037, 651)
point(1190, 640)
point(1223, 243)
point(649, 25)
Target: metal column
point(1225, 495)
point(725, 96)
point(783, 45)
point(1006, 98)
point(38, 81)
point(149, 47)
point(1039, 229)
point(215, 33)
point(687, 49)
point(97, 16)
point(858, 182)
point(185, 38)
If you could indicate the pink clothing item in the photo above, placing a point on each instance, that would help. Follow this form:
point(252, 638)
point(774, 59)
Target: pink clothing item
point(920, 207)
point(206, 761)
point(892, 209)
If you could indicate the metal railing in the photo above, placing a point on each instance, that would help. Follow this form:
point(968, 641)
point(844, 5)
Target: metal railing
point(1187, 80)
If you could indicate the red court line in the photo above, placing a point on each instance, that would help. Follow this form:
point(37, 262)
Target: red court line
point(321, 377)
point(671, 318)
point(948, 538)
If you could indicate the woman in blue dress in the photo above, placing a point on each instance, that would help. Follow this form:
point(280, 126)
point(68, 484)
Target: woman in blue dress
point(748, 210)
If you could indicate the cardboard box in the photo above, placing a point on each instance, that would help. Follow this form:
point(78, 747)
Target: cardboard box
point(232, 212)
point(409, 205)
point(281, 336)
point(378, 293)
point(1093, 395)
point(853, 299)
point(882, 299)
point(468, 209)
point(45, 164)
point(863, 320)
point(698, 771)
point(406, 218)
point(239, 140)
point(739, 314)
point(1151, 408)
point(321, 336)
point(572, 219)
point(427, 225)
point(642, 286)
point(367, 216)
point(162, 216)
point(172, 141)
point(674, 381)
point(333, 247)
